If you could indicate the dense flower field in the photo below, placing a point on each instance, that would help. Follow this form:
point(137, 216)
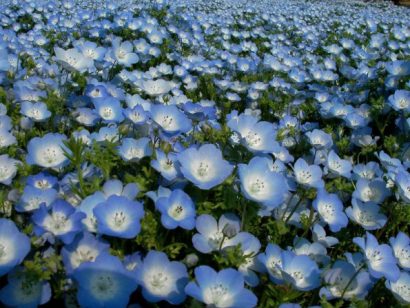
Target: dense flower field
point(206, 152)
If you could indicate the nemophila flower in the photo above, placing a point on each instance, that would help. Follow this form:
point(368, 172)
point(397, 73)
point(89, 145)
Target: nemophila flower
point(171, 120)
point(132, 149)
point(316, 251)
point(63, 221)
point(85, 116)
point(47, 151)
point(308, 175)
point(398, 68)
point(14, 246)
point(8, 169)
point(319, 139)
point(366, 214)
point(272, 261)
point(368, 171)
point(107, 134)
point(73, 60)
point(91, 50)
point(118, 216)
point(103, 283)
point(123, 53)
point(162, 279)
point(156, 87)
point(94, 91)
point(220, 289)
point(400, 101)
point(319, 236)
point(37, 112)
point(379, 258)
point(338, 166)
point(330, 209)
point(116, 187)
point(137, 114)
point(87, 207)
point(132, 263)
point(205, 166)
point(300, 271)
point(85, 248)
point(177, 210)
point(32, 197)
point(165, 164)
point(401, 249)
point(259, 183)
point(374, 191)
point(212, 234)
point(400, 288)
point(403, 184)
point(342, 281)
point(6, 138)
point(161, 192)
point(250, 247)
point(23, 291)
point(109, 109)
point(258, 137)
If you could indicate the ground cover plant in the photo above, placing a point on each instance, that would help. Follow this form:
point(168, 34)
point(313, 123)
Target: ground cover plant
point(204, 153)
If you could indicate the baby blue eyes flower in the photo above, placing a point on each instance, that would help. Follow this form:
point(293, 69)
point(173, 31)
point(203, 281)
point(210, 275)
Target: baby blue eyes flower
point(162, 279)
point(338, 166)
point(133, 150)
point(170, 119)
point(109, 109)
point(330, 209)
point(319, 139)
point(85, 248)
point(366, 214)
point(63, 221)
point(104, 283)
point(204, 167)
point(260, 184)
point(22, 291)
point(47, 151)
point(308, 175)
point(373, 191)
point(37, 112)
point(165, 164)
point(403, 185)
point(300, 271)
point(8, 169)
point(379, 258)
point(400, 288)
point(400, 101)
point(342, 280)
point(118, 216)
point(14, 246)
point(401, 249)
point(177, 210)
point(212, 234)
point(220, 289)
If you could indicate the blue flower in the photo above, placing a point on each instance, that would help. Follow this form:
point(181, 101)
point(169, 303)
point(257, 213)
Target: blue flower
point(85, 248)
point(133, 150)
point(338, 166)
point(165, 164)
point(63, 222)
point(109, 109)
point(330, 209)
point(212, 234)
point(261, 184)
point(177, 210)
point(47, 151)
point(401, 249)
point(118, 216)
point(162, 279)
point(366, 214)
point(205, 167)
point(37, 112)
point(32, 197)
point(342, 281)
point(8, 169)
point(23, 291)
point(272, 261)
point(14, 246)
point(400, 287)
point(171, 120)
point(379, 258)
point(308, 175)
point(104, 283)
point(400, 101)
point(220, 289)
point(300, 271)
